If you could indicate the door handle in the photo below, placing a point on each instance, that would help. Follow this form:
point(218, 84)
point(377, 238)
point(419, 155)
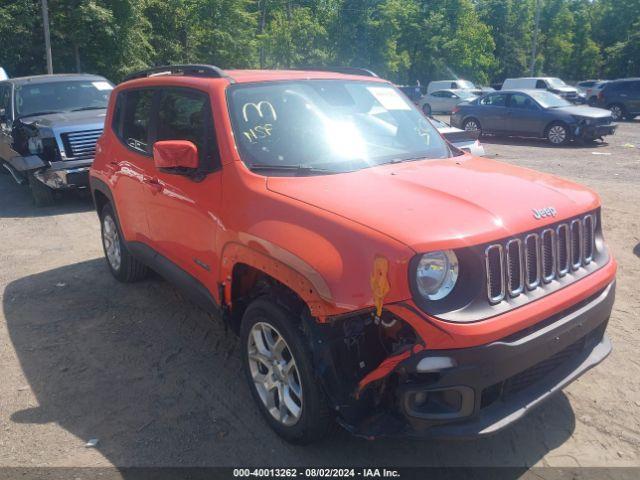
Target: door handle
point(153, 184)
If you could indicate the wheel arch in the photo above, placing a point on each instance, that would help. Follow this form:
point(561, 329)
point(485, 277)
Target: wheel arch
point(248, 273)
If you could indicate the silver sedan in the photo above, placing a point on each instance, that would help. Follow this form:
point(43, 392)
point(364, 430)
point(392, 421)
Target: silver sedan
point(443, 101)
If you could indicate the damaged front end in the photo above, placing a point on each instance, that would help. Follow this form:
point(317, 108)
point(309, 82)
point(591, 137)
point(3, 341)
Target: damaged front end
point(356, 358)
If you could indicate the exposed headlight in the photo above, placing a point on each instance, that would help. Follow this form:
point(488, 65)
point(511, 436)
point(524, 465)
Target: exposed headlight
point(35, 145)
point(437, 274)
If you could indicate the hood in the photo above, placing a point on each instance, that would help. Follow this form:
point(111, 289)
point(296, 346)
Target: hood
point(584, 111)
point(565, 89)
point(433, 204)
point(66, 119)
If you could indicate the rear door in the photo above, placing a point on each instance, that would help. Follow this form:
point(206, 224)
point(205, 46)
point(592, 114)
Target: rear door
point(184, 209)
point(633, 102)
point(524, 115)
point(492, 112)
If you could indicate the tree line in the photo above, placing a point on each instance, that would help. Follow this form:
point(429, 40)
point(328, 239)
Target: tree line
point(403, 40)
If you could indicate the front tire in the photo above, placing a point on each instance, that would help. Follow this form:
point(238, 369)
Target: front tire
point(278, 366)
point(472, 125)
point(557, 134)
point(41, 194)
point(123, 266)
point(426, 109)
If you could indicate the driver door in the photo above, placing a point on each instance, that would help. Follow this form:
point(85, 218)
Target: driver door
point(524, 115)
point(182, 209)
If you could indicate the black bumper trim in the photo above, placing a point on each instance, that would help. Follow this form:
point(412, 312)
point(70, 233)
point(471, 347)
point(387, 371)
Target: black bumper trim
point(580, 331)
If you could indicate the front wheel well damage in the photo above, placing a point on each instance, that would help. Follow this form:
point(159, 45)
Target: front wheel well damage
point(349, 351)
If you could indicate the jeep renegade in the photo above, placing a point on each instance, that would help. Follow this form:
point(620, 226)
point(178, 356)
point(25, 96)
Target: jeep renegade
point(377, 277)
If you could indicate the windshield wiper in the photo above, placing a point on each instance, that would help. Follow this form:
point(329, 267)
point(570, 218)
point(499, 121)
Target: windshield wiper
point(289, 168)
point(87, 108)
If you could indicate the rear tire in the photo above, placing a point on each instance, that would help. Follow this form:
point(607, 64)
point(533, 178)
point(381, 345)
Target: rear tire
point(41, 194)
point(266, 329)
point(426, 109)
point(123, 266)
point(557, 134)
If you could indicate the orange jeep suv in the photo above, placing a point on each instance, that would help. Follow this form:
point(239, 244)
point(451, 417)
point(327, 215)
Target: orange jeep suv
point(377, 277)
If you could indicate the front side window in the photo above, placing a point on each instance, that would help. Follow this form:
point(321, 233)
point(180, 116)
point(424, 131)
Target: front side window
point(557, 82)
point(5, 100)
point(541, 84)
point(549, 100)
point(523, 102)
point(136, 118)
point(63, 96)
point(329, 125)
point(184, 115)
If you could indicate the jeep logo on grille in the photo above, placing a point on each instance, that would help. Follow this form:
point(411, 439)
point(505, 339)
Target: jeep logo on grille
point(544, 212)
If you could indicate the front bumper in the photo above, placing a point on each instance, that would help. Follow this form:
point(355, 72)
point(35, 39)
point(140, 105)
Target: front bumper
point(64, 178)
point(589, 132)
point(471, 392)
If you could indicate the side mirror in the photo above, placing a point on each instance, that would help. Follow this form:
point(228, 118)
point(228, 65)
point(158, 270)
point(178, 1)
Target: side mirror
point(175, 154)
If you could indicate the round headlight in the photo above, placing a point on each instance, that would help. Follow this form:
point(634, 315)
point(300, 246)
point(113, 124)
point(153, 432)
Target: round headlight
point(437, 274)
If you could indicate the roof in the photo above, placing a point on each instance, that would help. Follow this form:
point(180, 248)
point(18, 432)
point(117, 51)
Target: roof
point(247, 76)
point(59, 77)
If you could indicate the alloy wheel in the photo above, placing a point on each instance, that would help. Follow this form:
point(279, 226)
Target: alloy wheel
point(111, 242)
point(616, 112)
point(557, 134)
point(471, 126)
point(275, 373)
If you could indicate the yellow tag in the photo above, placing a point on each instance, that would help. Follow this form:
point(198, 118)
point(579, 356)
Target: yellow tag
point(380, 282)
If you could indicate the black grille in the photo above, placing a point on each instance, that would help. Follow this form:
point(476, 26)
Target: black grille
point(564, 249)
point(548, 253)
point(536, 373)
point(79, 145)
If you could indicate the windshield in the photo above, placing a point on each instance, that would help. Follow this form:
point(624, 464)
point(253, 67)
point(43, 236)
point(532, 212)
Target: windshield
point(556, 82)
point(548, 99)
point(465, 84)
point(329, 125)
point(61, 96)
point(465, 94)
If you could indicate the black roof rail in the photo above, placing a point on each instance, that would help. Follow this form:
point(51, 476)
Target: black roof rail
point(346, 70)
point(208, 71)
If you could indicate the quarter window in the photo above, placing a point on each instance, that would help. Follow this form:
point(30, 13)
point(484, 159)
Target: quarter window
point(5, 99)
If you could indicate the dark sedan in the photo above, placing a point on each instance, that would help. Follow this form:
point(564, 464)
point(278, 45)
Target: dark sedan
point(533, 113)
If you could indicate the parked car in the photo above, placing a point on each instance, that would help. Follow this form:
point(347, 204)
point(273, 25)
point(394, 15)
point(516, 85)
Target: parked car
point(413, 92)
point(533, 113)
point(584, 85)
point(375, 276)
point(49, 125)
point(457, 84)
point(443, 101)
point(591, 93)
point(552, 84)
point(463, 139)
point(622, 97)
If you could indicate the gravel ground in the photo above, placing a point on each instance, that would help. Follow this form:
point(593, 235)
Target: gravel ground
point(159, 383)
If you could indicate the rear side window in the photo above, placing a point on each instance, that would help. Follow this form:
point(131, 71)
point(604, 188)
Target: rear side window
point(498, 100)
point(133, 118)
